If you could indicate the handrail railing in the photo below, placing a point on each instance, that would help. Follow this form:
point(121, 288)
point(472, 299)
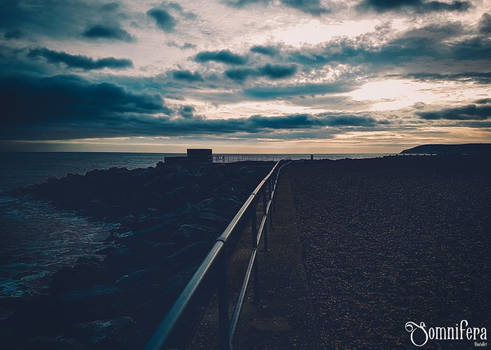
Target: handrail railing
point(216, 255)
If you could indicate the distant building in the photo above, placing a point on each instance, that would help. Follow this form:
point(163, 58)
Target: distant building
point(194, 156)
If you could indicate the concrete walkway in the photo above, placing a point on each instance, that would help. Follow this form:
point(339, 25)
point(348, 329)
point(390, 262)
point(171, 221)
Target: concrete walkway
point(283, 316)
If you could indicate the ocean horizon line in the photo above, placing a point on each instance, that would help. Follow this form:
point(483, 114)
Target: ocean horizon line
point(217, 153)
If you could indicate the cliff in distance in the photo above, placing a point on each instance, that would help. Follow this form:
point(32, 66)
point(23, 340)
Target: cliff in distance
point(461, 149)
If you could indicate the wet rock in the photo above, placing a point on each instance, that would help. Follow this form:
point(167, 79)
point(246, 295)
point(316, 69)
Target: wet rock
point(168, 219)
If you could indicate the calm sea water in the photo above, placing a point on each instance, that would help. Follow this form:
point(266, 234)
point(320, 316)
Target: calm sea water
point(37, 239)
point(20, 169)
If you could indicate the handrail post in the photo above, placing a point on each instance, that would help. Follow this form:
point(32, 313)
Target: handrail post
point(274, 188)
point(273, 200)
point(254, 223)
point(266, 236)
point(223, 320)
point(267, 196)
point(271, 189)
point(265, 199)
point(254, 246)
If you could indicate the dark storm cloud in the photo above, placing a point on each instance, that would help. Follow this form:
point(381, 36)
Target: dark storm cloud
point(305, 121)
point(277, 71)
point(163, 19)
point(483, 101)
point(482, 78)
point(57, 18)
point(348, 120)
point(240, 74)
point(468, 112)
point(475, 124)
point(107, 32)
point(272, 92)
point(178, 8)
point(474, 48)
point(65, 107)
point(13, 34)
point(433, 42)
point(223, 56)
point(419, 6)
point(78, 61)
point(242, 3)
point(264, 50)
point(312, 7)
point(186, 75)
point(14, 15)
point(187, 111)
point(167, 14)
point(270, 71)
point(14, 60)
point(69, 98)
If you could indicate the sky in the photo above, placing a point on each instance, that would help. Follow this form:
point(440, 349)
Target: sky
point(244, 76)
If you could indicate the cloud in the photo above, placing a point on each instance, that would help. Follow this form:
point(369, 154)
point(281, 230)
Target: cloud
point(78, 61)
point(468, 112)
point(186, 75)
point(264, 50)
point(480, 77)
point(436, 44)
point(187, 112)
point(242, 3)
point(277, 71)
point(348, 120)
point(67, 99)
point(13, 34)
point(474, 124)
point(471, 49)
point(312, 7)
point(240, 74)
point(273, 92)
point(184, 46)
point(67, 107)
point(110, 7)
point(483, 101)
point(178, 8)
point(107, 32)
point(56, 18)
point(419, 6)
point(485, 24)
point(268, 70)
point(166, 15)
point(223, 56)
point(163, 19)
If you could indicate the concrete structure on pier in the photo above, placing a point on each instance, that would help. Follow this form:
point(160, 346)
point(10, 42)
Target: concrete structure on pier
point(194, 156)
point(200, 155)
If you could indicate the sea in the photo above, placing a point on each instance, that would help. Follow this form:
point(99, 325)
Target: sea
point(37, 239)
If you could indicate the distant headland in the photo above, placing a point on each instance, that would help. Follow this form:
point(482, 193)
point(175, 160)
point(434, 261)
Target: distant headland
point(461, 149)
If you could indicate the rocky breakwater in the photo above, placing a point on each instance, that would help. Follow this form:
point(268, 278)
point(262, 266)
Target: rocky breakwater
point(169, 217)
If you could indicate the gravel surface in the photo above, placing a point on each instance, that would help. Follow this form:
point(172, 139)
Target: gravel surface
point(392, 240)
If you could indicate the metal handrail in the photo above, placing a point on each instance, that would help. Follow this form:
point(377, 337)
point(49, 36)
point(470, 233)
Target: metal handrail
point(216, 255)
